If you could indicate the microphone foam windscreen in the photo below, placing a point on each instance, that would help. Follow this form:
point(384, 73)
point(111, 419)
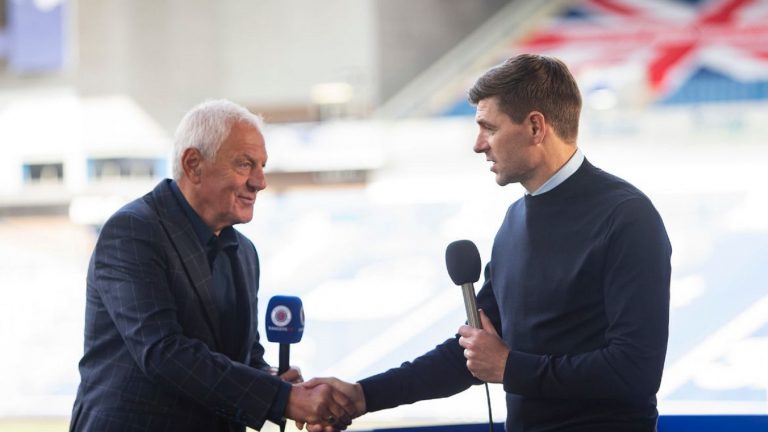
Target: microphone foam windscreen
point(463, 262)
point(285, 319)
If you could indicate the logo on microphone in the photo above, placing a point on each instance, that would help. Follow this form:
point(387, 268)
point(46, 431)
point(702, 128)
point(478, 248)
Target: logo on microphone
point(281, 316)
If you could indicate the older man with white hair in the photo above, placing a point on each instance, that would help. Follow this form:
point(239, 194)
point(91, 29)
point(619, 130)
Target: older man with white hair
point(171, 338)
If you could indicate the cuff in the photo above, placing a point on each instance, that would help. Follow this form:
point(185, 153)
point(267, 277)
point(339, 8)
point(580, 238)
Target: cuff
point(276, 411)
point(379, 392)
point(520, 373)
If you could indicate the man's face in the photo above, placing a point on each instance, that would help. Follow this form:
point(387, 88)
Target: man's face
point(230, 181)
point(505, 143)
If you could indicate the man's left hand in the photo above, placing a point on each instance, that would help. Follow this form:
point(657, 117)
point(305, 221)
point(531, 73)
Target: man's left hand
point(484, 350)
point(292, 375)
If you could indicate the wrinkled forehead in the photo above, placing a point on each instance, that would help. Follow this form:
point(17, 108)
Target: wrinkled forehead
point(244, 137)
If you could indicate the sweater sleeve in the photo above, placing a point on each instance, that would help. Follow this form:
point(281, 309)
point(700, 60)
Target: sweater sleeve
point(636, 276)
point(441, 372)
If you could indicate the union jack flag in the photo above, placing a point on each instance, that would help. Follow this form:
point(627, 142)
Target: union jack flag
point(672, 50)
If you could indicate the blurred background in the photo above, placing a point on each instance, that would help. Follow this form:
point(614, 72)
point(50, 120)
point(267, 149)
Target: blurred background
point(371, 171)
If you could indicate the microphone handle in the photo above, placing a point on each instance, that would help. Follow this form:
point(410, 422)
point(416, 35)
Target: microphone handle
point(470, 303)
point(285, 354)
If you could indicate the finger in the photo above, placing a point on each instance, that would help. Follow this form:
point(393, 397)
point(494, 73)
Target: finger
point(300, 425)
point(333, 382)
point(344, 401)
point(464, 342)
point(346, 421)
point(292, 375)
point(466, 330)
point(336, 412)
point(327, 410)
point(487, 324)
point(299, 378)
point(336, 384)
point(320, 428)
point(314, 382)
point(315, 428)
point(339, 425)
point(342, 410)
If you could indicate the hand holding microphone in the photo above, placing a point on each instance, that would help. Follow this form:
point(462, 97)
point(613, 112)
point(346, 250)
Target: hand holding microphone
point(484, 350)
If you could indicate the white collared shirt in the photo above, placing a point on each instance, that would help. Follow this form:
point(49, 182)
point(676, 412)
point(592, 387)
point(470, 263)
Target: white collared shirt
point(562, 174)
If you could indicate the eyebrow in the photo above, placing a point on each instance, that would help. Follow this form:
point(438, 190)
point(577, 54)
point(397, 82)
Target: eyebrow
point(485, 124)
point(249, 158)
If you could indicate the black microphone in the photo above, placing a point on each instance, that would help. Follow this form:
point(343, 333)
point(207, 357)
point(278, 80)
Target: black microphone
point(463, 262)
point(285, 325)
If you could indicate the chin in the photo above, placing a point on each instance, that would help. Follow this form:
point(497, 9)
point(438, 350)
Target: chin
point(241, 218)
point(245, 219)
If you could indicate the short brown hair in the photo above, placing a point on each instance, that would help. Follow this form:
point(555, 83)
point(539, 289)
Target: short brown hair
point(530, 82)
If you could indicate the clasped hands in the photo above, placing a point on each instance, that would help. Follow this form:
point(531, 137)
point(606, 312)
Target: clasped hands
point(323, 404)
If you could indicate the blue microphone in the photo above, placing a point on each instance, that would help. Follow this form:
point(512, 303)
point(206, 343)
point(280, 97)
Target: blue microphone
point(285, 325)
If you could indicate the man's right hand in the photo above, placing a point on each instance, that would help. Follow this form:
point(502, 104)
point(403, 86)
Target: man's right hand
point(320, 404)
point(352, 391)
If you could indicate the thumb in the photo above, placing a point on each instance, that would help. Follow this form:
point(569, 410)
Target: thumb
point(314, 382)
point(487, 324)
point(330, 381)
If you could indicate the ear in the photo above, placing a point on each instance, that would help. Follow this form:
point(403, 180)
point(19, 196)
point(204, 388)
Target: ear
point(191, 163)
point(538, 126)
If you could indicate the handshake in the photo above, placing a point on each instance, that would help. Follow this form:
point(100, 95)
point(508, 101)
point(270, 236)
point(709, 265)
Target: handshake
point(325, 404)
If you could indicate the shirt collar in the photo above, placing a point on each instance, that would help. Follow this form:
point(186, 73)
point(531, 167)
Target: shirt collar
point(228, 239)
point(203, 233)
point(212, 244)
point(562, 174)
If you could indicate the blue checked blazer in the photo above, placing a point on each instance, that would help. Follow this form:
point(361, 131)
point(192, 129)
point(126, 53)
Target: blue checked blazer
point(152, 358)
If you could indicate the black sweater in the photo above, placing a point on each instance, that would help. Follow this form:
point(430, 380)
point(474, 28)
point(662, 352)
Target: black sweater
point(578, 288)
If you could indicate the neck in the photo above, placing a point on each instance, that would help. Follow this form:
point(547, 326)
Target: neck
point(187, 189)
point(554, 157)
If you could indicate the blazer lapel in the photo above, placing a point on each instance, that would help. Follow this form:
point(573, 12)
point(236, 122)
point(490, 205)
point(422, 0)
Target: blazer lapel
point(190, 252)
point(247, 288)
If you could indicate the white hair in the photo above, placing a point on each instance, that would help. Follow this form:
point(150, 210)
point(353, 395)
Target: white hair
point(206, 126)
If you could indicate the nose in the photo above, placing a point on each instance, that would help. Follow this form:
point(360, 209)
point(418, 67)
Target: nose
point(481, 144)
point(257, 180)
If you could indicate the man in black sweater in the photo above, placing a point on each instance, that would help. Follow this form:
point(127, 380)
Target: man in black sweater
point(575, 303)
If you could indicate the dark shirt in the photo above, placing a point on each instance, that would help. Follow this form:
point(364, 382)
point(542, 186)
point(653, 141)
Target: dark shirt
point(578, 288)
point(224, 271)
